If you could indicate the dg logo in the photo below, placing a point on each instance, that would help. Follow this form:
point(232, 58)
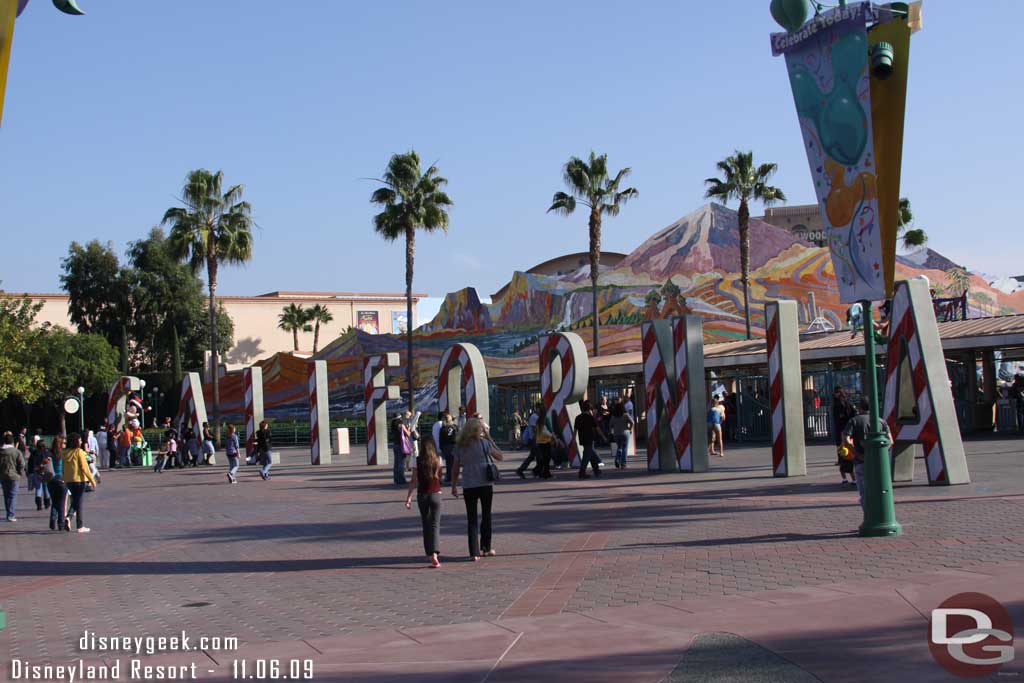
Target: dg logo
point(971, 635)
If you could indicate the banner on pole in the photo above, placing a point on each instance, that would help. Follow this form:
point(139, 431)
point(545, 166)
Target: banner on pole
point(827, 61)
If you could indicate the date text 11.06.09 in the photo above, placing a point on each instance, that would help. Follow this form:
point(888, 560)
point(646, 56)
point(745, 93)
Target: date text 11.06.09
point(272, 669)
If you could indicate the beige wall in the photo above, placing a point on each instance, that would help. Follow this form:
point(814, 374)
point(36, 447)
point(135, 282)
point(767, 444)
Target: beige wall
point(256, 333)
point(802, 220)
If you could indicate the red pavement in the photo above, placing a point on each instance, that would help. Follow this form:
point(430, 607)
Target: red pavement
point(609, 579)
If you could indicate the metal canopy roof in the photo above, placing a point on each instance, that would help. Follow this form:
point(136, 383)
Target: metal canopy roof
point(978, 334)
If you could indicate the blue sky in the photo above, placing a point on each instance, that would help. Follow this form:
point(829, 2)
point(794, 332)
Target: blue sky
point(301, 101)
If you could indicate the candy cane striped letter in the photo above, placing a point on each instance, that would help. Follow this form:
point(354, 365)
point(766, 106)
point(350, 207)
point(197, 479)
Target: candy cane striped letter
point(319, 415)
point(252, 378)
point(192, 406)
point(918, 399)
point(376, 393)
point(462, 369)
point(116, 400)
point(673, 355)
point(789, 459)
point(564, 373)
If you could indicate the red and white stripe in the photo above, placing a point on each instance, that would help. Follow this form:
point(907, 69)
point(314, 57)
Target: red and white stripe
point(655, 383)
point(903, 336)
point(372, 396)
point(250, 414)
point(456, 356)
point(314, 417)
point(187, 405)
point(681, 414)
point(121, 387)
point(775, 392)
point(549, 346)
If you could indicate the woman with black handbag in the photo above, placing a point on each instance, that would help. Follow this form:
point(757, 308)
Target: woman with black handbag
point(475, 454)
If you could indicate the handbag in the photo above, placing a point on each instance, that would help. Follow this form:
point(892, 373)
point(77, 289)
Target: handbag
point(492, 473)
point(406, 445)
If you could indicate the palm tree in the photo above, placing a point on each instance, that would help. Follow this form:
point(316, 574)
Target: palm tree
point(959, 280)
point(591, 185)
point(412, 200)
point(318, 314)
point(294, 318)
point(910, 238)
point(744, 181)
point(213, 227)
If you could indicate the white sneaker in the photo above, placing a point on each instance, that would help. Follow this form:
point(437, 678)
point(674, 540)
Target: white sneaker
point(84, 530)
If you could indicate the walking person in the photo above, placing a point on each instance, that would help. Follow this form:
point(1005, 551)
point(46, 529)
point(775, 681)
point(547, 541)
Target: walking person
point(12, 469)
point(446, 438)
point(208, 448)
point(715, 427)
point(530, 441)
point(622, 427)
point(103, 447)
point(517, 429)
point(264, 445)
point(855, 434)
point(426, 481)
point(77, 474)
point(546, 443)
point(842, 412)
point(586, 431)
point(35, 478)
point(402, 446)
point(52, 471)
point(231, 447)
point(473, 454)
point(124, 447)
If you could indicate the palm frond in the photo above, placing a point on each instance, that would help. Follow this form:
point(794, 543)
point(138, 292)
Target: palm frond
point(562, 203)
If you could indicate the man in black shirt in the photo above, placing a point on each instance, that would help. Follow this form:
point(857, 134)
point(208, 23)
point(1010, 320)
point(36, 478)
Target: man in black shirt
point(586, 431)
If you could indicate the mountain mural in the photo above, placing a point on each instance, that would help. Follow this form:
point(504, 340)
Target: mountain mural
point(692, 265)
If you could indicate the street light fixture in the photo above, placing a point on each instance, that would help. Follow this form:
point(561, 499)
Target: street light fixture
point(81, 409)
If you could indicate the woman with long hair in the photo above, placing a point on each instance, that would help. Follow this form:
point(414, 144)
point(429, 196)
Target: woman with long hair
point(401, 442)
point(426, 480)
point(474, 450)
point(52, 468)
point(77, 474)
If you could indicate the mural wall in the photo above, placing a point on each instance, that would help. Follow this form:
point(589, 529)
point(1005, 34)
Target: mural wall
point(691, 266)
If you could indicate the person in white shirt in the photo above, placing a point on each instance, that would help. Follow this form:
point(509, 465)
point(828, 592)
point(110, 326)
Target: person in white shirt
point(104, 451)
point(435, 431)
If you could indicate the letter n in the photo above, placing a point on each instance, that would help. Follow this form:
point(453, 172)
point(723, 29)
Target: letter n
point(564, 373)
point(192, 406)
point(377, 393)
point(918, 400)
point(674, 387)
point(462, 370)
point(789, 459)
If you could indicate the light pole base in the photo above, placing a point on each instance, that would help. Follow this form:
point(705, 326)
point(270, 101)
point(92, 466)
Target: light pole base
point(880, 529)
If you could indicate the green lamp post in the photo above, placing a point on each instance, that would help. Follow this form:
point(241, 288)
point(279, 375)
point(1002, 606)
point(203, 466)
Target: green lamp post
point(81, 410)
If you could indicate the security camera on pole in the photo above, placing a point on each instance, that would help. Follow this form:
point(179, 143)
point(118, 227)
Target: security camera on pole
point(849, 86)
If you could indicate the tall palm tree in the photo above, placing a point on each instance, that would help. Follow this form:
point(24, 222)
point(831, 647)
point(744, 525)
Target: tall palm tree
point(744, 181)
point(910, 238)
point(412, 199)
point(213, 227)
point(591, 185)
point(318, 314)
point(294, 318)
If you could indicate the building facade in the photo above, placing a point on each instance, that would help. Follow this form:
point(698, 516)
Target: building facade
point(255, 317)
point(803, 220)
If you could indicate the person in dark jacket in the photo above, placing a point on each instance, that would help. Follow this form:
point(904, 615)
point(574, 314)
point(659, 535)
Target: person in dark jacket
point(35, 480)
point(263, 449)
point(842, 412)
point(446, 441)
point(52, 472)
point(12, 469)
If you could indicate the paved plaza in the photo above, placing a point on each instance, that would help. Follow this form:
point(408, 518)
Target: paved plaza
point(722, 576)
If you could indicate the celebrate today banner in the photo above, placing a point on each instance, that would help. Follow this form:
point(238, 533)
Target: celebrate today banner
point(827, 61)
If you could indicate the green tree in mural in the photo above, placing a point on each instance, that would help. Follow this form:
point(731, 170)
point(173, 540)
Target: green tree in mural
point(294, 318)
point(591, 185)
point(214, 227)
point(959, 280)
point(744, 181)
point(319, 315)
point(412, 199)
point(910, 238)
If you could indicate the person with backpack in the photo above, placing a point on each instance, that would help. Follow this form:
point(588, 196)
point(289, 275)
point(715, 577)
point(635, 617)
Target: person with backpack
point(35, 479)
point(12, 469)
point(842, 412)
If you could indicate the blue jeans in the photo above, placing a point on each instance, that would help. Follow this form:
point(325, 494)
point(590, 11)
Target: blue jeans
point(124, 454)
point(58, 492)
point(265, 460)
point(622, 441)
point(447, 452)
point(10, 496)
point(858, 471)
point(38, 486)
point(399, 466)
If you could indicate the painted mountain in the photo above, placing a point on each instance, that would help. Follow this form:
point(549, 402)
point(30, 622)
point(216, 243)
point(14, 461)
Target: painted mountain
point(691, 265)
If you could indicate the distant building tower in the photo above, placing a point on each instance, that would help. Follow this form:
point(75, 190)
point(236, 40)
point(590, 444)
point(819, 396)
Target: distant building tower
point(804, 221)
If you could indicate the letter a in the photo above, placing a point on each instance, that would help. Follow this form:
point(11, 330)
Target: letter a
point(918, 399)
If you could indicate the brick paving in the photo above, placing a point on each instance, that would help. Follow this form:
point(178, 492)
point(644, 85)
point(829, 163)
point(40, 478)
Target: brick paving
point(321, 553)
